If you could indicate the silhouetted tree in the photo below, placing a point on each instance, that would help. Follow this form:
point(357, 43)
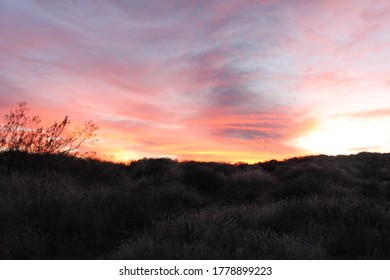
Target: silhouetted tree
point(25, 133)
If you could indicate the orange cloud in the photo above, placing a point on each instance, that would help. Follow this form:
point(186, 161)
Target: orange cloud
point(205, 80)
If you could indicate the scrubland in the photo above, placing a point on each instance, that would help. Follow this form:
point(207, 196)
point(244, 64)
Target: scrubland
point(317, 207)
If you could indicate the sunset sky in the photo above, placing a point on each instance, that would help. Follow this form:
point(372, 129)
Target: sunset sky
point(237, 80)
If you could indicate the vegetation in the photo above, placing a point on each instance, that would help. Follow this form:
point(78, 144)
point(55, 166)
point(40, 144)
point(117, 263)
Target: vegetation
point(22, 132)
point(62, 207)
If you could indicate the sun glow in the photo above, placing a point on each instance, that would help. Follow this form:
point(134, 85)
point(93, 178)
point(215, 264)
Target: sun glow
point(344, 137)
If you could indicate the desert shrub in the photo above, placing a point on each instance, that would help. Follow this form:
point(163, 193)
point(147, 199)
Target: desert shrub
point(222, 168)
point(175, 197)
point(159, 171)
point(24, 242)
point(87, 170)
point(351, 169)
point(371, 164)
point(217, 234)
point(16, 161)
point(68, 218)
point(315, 177)
point(340, 224)
point(253, 177)
point(250, 245)
point(153, 166)
point(301, 186)
point(252, 184)
point(310, 228)
point(95, 171)
point(58, 207)
point(202, 178)
point(271, 165)
point(379, 190)
point(383, 173)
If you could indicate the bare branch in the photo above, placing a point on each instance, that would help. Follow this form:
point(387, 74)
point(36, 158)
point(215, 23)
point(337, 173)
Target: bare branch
point(22, 132)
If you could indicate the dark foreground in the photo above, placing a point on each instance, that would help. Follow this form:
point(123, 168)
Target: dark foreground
point(318, 207)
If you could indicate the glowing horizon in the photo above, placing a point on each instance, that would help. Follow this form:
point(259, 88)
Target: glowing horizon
point(230, 81)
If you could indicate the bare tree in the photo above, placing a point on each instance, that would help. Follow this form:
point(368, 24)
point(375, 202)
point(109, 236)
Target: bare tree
point(22, 132)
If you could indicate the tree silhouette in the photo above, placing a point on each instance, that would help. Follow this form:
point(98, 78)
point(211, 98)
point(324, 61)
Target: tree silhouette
point(22, 132)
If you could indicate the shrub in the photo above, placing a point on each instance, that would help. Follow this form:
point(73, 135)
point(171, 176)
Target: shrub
point(22, 132)
point(202, 178)
point(158, 171)
point(252, 184)
point(310, 228)
point(217, 234)
point(62, 207)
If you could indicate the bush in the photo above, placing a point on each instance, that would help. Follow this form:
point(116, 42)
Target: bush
point(62, 207)
point(202, 178)
point(158, 171)
point(252, 184)
point(24, 133)
point(312, 228)
point(217, 234)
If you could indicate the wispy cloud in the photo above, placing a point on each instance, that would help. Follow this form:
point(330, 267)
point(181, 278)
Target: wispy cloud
point(379, 113)
point(215, 80)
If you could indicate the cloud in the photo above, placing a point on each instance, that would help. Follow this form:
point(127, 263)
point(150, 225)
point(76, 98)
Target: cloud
point(229, 80)
point(366, 149)
point(379, 113)
point(249, 134)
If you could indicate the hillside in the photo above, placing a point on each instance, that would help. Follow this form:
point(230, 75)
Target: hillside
point(317, 207)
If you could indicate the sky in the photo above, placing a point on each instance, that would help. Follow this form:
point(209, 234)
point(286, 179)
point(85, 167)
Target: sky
point(231, 81)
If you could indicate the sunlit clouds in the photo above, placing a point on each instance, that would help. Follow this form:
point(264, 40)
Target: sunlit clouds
point(232, 81)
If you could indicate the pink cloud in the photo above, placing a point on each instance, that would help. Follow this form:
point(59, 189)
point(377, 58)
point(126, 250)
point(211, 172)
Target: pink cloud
point(216, 80)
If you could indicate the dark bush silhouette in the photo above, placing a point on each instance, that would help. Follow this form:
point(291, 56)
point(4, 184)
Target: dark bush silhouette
point(56, 206)
point(21, 132)
point(202, 177)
